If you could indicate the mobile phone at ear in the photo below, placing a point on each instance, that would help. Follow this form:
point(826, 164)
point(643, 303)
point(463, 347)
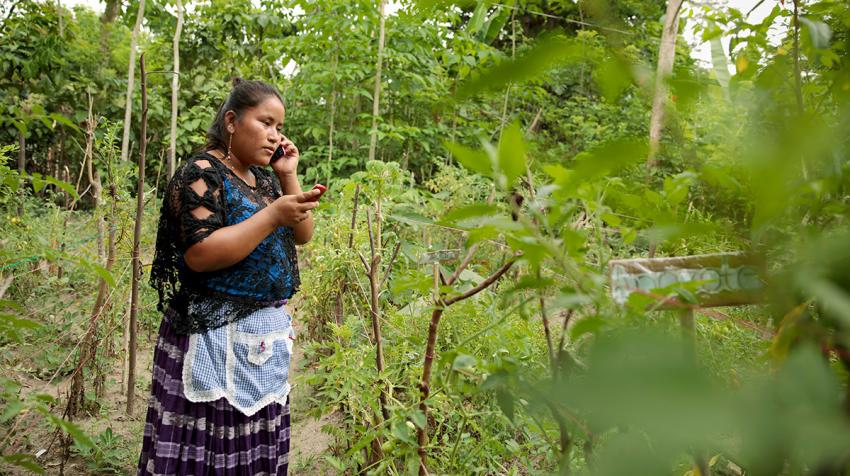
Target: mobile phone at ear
point(278, 153)
point(321, 188)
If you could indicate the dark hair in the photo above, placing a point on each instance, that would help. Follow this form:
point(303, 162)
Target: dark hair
point(244, 95)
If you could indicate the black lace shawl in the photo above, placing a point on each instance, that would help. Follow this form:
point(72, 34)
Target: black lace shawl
point(203, 196)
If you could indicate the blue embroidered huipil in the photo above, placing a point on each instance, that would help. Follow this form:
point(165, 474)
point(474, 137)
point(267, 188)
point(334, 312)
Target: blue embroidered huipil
point(240, 334)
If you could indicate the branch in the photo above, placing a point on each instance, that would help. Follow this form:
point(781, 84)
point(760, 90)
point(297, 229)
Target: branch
point(390, 265)
point(483, 284)
point(353, 217)
point(365, 264)
point(463, 264)
point(371, 237)
point(561, 341)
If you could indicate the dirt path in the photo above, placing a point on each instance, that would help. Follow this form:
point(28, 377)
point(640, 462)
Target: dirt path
point(120, 435)
point(308, 442)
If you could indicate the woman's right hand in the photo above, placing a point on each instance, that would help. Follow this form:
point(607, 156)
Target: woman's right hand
point(291, 210)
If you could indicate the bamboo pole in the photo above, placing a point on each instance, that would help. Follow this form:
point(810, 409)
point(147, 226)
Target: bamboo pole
point(134, 292)
point(175, 89)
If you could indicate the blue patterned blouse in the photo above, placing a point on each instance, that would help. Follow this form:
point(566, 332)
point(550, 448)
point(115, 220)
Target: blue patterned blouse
point(208, 300)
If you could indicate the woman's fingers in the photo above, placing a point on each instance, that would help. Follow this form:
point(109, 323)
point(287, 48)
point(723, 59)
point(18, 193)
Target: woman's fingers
point(288, 146)
point(306, 206)
point(308, 196)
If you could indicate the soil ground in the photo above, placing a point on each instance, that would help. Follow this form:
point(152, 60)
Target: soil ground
point(119, 436)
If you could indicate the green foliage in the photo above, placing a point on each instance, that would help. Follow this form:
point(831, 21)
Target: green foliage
point(511, 128)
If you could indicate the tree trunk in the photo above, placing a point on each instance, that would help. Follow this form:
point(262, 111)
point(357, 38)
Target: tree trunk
point(110, 13)
point(666, 55)
point(440, 305)
point(131, 72)
point(376, 97)
point(88, 347)
point(175, 88)
point(94, 179)
point(375, 307)
point(137, 267)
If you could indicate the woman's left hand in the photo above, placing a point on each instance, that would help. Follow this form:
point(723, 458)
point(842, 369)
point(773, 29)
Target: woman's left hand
point(287, 164)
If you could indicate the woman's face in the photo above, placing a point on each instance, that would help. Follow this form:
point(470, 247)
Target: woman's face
point(256, 133)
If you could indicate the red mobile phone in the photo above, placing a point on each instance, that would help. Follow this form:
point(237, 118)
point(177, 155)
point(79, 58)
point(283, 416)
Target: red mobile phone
point(322, 189)
point(278, 153)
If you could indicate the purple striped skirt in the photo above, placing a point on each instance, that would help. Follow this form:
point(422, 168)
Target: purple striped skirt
point(209, 438)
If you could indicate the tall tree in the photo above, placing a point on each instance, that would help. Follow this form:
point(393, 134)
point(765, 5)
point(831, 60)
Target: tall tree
point(111, 11)
point(175, 87)
point(131, 71)
point(376, 97)
point(666, 55)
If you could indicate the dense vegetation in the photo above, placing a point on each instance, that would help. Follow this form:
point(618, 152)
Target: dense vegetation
point(456, 312)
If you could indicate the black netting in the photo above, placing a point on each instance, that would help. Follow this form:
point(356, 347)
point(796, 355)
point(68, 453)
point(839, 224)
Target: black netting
point(206, 300)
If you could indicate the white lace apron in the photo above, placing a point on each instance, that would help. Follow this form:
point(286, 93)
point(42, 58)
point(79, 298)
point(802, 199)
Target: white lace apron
point(245, 362)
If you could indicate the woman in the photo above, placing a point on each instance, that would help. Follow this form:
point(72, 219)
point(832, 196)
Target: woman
point(225, 264)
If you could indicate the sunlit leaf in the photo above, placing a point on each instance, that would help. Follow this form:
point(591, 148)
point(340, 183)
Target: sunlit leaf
point(544, 55)
point(819, 32)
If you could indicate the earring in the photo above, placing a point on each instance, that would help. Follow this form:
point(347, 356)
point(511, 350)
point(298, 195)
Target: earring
point(229, 142)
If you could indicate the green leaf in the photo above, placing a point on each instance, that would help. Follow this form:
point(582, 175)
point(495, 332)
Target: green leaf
point(588, 325)
point(478, 17)
point(80, 437)
point(470, 276)
point(512, 154)
point(418, 419)
point(37, 182)
point(613, 77)
point(401, 431)
point(18, 322)
point(98, 269)
point(5, 303)
point(833, 298)
point(23, 461)
point(570, 301)
point(463, 362)
point(65, 186)
point(506, 403)
point(720, 63)
point(475, 160)
point(468, 212)
point(336, 463)
point(544, 55)
point(497, 21)
point(819, 32)
point(409, 217)
point(63, 120)
point(12, 410)
point(601, 161)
